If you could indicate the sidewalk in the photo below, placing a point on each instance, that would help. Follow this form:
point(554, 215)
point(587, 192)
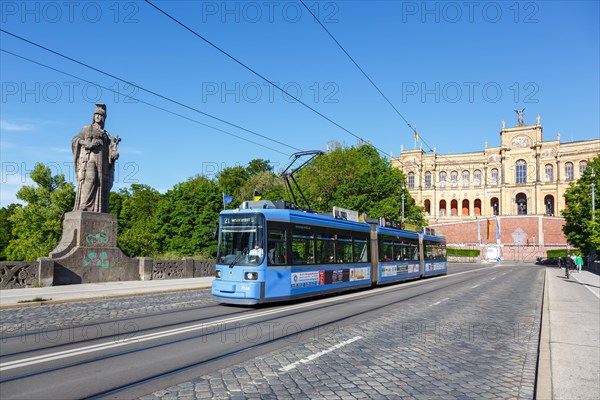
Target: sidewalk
point(92, 291)
point(569, 364)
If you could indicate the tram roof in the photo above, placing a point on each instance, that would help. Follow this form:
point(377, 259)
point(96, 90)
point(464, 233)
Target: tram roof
point(299, 217)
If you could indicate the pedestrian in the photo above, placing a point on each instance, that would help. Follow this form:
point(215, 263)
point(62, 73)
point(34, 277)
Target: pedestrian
point(579, 263)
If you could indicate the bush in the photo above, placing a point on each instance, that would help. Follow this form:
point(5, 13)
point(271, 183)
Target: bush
point(561, 253)
point(463, 252)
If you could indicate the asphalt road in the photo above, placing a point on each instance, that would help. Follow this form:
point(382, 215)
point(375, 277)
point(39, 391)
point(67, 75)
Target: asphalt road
point(473, 333)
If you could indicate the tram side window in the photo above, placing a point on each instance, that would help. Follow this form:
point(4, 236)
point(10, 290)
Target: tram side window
point(414, 252)
point(302, 249)
point(435, 251)
point(386, 250)
point(325, 249)
point(429, 248)
point(276, 247)
point(361, 253)
point(343, 249)
point(398, 251)
point(406, 251)
point(439, 251)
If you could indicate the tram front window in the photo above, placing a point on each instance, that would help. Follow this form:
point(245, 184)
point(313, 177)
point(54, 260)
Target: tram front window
point(241, 240)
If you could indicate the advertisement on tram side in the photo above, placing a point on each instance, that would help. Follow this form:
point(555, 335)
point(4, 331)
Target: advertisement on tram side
point(327, 277)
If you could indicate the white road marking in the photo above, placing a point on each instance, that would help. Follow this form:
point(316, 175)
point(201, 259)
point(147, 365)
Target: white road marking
point(441, 301)
point(319, 354)
point(473, 287)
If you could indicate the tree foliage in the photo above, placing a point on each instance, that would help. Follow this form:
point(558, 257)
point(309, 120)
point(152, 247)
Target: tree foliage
point(37, 226)
point(6, 226)
point(359, 179)
point(136, 219)
point(187, 217)
point(580, 229)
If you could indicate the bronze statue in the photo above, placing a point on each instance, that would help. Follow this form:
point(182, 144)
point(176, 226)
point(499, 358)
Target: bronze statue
point(95, 154)
point(520, 120)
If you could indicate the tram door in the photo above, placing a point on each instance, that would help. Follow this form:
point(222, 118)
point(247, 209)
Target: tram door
point(421, 256)
point(374, 256)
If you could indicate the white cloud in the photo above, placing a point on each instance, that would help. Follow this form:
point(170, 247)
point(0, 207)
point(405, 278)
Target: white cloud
point(15, 127)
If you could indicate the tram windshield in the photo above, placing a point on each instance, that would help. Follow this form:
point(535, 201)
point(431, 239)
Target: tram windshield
point(241, 239)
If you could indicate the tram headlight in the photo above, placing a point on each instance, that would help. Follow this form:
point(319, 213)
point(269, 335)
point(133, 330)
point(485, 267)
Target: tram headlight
point(218, 273)
point(251, 276)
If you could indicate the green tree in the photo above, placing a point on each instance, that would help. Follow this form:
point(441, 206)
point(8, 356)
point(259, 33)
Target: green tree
point(231, 180)
point(359, 179)
point(258, 166)
point(115, 201)
point(580, 230)
point(37, 226)
point(269, 185)
point(6, 226)
point(136, 219)
point(187, 217)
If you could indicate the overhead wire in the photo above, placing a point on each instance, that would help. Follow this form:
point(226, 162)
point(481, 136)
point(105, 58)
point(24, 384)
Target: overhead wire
point(149, 91)
point(142, 101)
point(273, 84)
point(413, 128)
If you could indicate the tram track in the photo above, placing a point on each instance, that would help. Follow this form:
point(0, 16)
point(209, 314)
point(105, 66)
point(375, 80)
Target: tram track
point(297, 309)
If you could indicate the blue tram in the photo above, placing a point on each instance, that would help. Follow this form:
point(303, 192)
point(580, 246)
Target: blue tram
point(269, 251)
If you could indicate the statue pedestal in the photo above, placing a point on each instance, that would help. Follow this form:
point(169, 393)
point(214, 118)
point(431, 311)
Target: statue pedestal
point(88, 251)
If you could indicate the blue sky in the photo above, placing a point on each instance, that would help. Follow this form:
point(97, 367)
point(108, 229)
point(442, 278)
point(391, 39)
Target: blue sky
point(454, 70)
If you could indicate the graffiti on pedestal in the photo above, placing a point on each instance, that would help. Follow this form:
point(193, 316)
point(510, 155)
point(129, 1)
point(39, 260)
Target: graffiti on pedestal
point(95, 259)
point(97, 238)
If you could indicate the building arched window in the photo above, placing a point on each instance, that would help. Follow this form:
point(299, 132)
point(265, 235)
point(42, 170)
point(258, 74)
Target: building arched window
point(569, 174)
point(549, 169)
point(582, 166)
point(465, 207)
point(453, 179)
point(494, 177)
point(454, 207)
point(495, 204)
point(442, 208)
point(521, 200)
point(427, 207)
point(477, 177)
point(442, 179)
point(477, 206)
point(466, 177)
point(428, 179)
point(411, 180)
point(549, 204)
point(521, 171)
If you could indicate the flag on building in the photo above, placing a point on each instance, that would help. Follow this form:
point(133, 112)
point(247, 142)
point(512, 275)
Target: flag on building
point(416, 135)
point(226, 199)
point(257, 196)
point(497, 229)
point(479, 230)
point(489, 229)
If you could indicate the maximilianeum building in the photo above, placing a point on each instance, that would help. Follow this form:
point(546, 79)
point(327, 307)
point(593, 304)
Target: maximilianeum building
point(523, 177)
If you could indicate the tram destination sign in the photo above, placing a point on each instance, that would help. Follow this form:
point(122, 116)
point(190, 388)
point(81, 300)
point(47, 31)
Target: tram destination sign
point(348, 215)
point(390, 223)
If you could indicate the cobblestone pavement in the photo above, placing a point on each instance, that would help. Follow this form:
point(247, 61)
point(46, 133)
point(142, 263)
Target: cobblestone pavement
point(57, 316)
point(472, 341)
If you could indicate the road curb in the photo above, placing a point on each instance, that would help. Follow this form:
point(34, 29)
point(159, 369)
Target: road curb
point(96, 298)
point(543, 389)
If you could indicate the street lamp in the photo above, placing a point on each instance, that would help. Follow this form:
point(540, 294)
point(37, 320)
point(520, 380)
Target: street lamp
point(593, 185)
point(592, 255)
point(402, 197)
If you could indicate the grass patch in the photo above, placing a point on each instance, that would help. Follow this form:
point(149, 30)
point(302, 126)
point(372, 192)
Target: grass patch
point(34, 300)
